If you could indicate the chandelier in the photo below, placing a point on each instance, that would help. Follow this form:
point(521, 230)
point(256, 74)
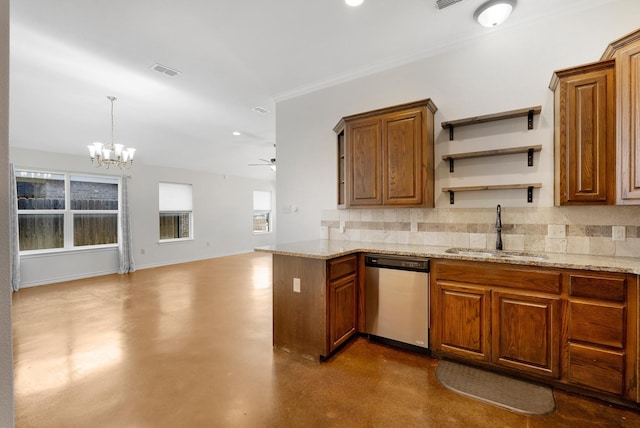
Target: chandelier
point(111, 154)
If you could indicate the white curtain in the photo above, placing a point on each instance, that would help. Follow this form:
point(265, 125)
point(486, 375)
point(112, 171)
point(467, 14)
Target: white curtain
point(14, 243)
point(126, 243)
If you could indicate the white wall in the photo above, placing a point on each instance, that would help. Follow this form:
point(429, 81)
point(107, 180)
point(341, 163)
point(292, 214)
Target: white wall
point(6, 353)
point(222, 218)
point(509, 68)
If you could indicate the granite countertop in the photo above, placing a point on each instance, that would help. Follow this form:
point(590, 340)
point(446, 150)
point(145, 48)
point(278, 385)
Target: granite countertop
point(326, 249)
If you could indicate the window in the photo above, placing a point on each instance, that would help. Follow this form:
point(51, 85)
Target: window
point(261, 211)
point(176, 216)
point(62, 211)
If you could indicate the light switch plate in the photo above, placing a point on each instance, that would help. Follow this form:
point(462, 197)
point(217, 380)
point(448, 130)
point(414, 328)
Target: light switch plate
point(296, 285)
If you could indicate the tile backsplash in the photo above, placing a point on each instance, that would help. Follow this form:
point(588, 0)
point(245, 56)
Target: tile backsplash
point(610, 230)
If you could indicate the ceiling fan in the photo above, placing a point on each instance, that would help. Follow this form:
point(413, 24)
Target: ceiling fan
point(270, 163)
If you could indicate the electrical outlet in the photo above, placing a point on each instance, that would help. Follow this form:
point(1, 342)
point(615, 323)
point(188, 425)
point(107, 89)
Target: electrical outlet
point(618, 233)
point(296, 285)
point(342, 225)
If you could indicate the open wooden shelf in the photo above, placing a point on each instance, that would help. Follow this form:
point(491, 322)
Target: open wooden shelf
point(528, 186)
point(496, 152)
point(529, 112)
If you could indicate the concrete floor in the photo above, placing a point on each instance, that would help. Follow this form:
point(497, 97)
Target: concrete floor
point(190, 346)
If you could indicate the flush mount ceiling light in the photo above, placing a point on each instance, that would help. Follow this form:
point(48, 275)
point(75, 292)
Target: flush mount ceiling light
point(111, 154)
point(353, 3)
point(494, 12)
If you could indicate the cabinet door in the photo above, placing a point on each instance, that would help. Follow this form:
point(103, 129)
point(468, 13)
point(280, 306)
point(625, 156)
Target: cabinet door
point(403, 158)
point(628, 71)
point(525, 331)
point(342, 310)
point(460, 321)
point(364, 162)
point(586, 151)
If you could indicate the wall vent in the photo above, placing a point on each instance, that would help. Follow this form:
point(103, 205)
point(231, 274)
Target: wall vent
point(165, 70)
point(441, 4)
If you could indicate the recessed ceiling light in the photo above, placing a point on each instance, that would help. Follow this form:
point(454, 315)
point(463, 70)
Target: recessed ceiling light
point(494, 12)
point(236, 133)
point(165, 70)
point(353, 3)
point(261, 110)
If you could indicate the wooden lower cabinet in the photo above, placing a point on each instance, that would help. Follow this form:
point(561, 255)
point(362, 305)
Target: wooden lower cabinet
point(476, 316)
point(463, 321)
point(569, 328)
point(526, 332)
point(342, 308)
point(602, 344)
point(324, 313)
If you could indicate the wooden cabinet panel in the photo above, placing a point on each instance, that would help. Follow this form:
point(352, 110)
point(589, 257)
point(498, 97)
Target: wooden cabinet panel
point(597, 323)
point(403, 158)
point(597, 368)
point(628, 142)
point(342, 306)
point(342, 310)
point(342, 266)
point(525, 332)
point(342, 170)
point(600, 287)
point(299, 319)
point(499, 275)
point(364, 162)
point(585, 135)
point(463, 321)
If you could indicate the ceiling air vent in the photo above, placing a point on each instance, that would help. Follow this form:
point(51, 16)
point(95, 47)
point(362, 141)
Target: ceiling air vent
point(261, 110)
point(441, 4)
point(165, 70)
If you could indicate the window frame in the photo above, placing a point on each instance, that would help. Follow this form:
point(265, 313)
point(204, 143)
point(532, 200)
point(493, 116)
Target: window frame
point(269, 213)
point(176, 212)
point(68, 214)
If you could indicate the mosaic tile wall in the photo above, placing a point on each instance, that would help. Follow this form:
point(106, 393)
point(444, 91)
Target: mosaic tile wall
point(578, 230)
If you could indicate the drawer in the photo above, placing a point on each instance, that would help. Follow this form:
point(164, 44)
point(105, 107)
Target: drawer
point(598, 287)
point(597, 323)
point(342, 266)
point(499, 275)
point(597, 368)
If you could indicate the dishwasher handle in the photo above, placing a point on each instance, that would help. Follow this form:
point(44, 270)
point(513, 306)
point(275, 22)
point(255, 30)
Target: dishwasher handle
point(383, 261)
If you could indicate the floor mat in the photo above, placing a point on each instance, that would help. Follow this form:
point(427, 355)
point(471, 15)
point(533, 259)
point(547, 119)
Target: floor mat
point(503, 391)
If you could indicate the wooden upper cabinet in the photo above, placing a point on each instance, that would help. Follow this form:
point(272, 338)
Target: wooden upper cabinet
point(364, 162)
point(404, 158)
point(585, 134)
point(388, 157)
point(626, 53)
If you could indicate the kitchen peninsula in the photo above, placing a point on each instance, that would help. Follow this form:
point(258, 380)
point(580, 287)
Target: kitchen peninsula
point(567, 320)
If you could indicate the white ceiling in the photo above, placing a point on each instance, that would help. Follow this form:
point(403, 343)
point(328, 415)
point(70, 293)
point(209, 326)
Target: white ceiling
point(67, 56)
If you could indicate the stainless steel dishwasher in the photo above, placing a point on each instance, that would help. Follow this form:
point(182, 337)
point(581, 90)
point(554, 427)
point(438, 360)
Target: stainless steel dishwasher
point(397, 300)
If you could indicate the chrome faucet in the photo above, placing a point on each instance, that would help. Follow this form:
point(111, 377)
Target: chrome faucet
point(498, 228)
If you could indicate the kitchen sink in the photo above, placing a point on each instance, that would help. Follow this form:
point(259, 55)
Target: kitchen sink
point(513, 255)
